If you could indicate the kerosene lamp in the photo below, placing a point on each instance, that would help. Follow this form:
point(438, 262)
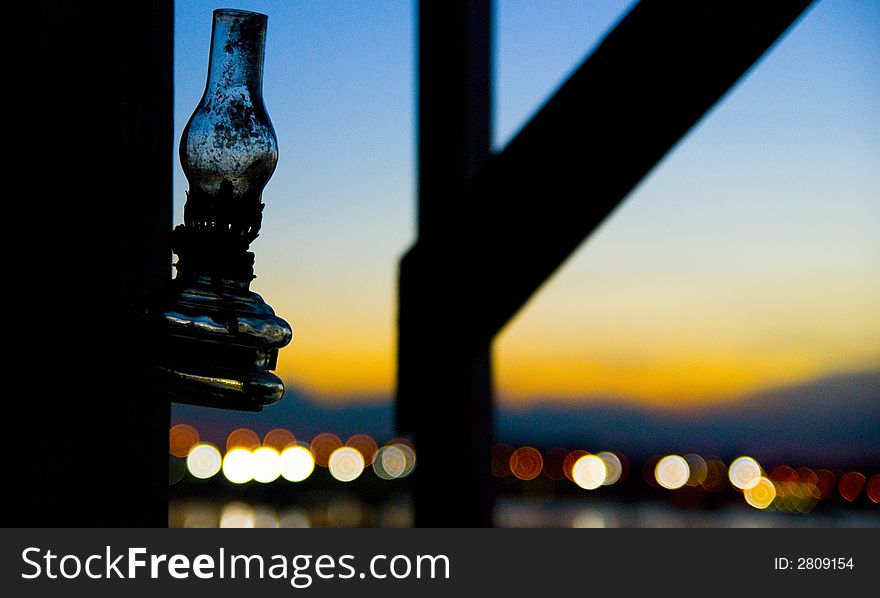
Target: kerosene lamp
point(217, 340)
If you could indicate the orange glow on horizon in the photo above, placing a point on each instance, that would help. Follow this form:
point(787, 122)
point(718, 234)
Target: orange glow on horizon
point(334, 363)
point(681, 342)
point(676, 381)
point(523, 375)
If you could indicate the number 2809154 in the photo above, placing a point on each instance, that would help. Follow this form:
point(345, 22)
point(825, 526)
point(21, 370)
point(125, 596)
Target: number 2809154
point(820, 563)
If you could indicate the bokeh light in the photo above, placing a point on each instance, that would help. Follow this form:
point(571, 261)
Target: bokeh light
point(761, 493)
point(613, 467)
point(294, 518)
point(807, 476)
point(873, 488)
point(396, 513)
point(242, 438)
point(200, 516)
point(851, 485)
point(265, 517)
point(346, 464)
point(237, 515)
point(589, 518)
point(501, 453)
point(267, 465)
point(343, 511)
point(784, 474)
point(279, 439)
point(323, 446)
point(297, 463)
point(744, 472)
point(204, 461)
point(404, 441)
point(672, 472)
point(804, 490)
point(570, 459)
point(366, 445)
point(409, 456)
point(176, 470)
point(698, 467)
point(181, 440)
point(716, 475)
point(554, 461)
point(238, 466)
point(526, 463)
point(589, 472)
point(390, 463)
point(826, 482)
point(797, 491)
point(394, 461)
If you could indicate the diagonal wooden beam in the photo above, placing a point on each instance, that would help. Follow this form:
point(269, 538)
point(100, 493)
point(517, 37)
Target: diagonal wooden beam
point(648, 83)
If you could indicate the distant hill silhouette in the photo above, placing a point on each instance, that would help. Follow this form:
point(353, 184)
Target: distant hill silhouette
point(828, 420)
point(300, 414)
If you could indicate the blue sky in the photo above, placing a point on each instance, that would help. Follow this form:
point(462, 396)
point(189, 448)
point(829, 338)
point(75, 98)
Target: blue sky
point(748, 257)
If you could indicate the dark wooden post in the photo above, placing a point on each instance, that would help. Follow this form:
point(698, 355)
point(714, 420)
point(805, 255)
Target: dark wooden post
point(444, 383)
point(92, 246)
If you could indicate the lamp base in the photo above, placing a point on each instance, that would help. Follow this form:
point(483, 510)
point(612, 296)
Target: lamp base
point(242, 393)
point(217, 342)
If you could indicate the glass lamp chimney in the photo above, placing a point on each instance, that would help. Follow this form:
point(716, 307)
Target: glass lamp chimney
point(229, 146)
point(228, 151)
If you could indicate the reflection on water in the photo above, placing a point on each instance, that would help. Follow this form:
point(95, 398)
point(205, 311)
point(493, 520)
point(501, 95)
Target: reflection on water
point(336, 511)
point(523, 512)
point(341, 510)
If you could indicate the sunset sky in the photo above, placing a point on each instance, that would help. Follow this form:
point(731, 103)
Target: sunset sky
point(749, 257)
